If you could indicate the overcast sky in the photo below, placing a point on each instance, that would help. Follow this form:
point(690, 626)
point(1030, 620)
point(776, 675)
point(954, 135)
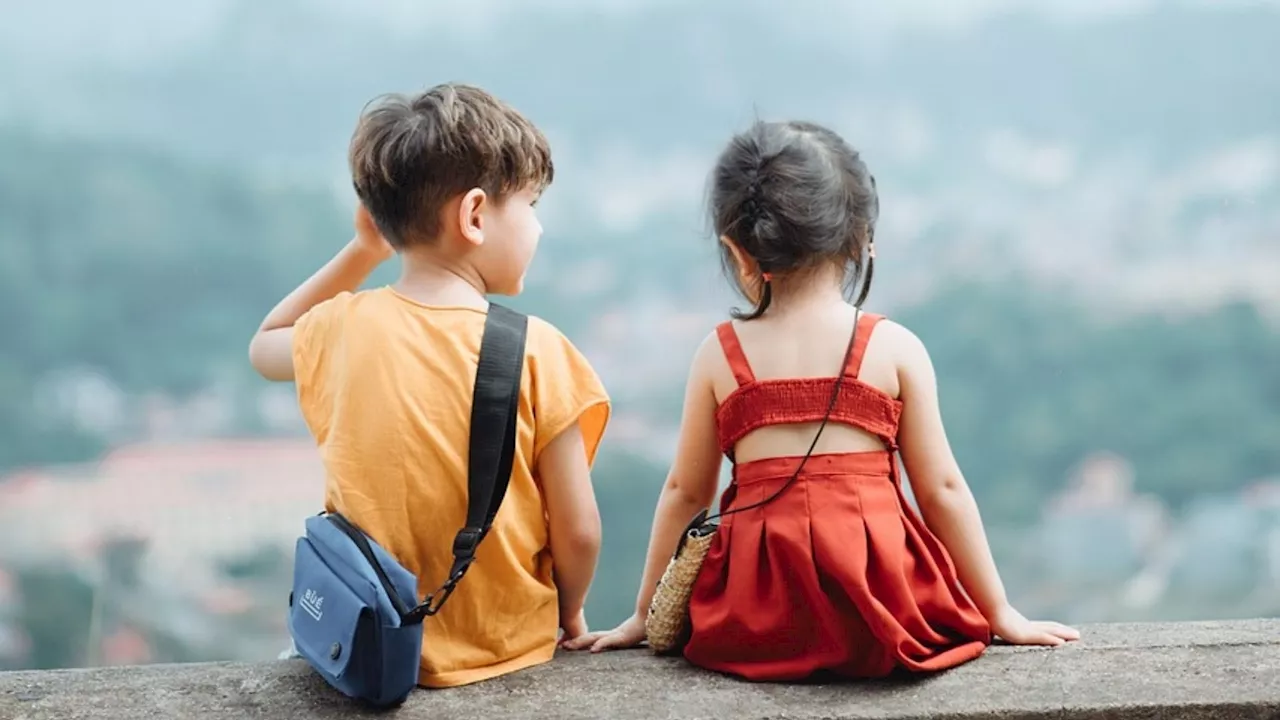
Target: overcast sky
point(135, 30)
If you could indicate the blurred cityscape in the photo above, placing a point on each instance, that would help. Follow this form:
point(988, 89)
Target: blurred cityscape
point(1080, 218)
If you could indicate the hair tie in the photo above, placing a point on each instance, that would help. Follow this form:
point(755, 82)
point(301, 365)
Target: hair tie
point(766, 276)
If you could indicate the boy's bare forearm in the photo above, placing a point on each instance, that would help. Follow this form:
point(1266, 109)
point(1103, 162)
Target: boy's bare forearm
point(344, 273)
point(575, 566)
point(573, 517)
point(952, 515)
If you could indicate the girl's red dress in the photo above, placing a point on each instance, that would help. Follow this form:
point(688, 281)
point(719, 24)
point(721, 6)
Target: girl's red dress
point(838, 573)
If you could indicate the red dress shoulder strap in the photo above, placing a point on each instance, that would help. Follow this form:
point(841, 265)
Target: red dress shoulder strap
point(733, 353)
point(866, 324)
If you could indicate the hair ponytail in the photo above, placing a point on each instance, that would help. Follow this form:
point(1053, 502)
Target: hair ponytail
point(871, 243)
point(870, 273)
point(766, 298)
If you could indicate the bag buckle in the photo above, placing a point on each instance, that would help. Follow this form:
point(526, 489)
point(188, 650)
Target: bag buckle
point(466, 542)
point(464, 553)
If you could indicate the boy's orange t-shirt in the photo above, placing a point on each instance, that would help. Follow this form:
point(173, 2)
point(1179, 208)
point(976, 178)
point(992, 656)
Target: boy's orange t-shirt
point(385, 385)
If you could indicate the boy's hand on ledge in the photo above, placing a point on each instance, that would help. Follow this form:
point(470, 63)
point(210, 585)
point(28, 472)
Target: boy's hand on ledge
point(573, 628)
point(629, 634)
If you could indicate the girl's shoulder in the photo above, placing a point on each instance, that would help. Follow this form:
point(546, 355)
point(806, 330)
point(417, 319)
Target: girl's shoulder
point(899, 358)
point(894, 336)
point(904, 343)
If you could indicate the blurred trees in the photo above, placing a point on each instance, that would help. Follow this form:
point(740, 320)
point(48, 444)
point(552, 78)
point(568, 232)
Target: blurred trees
point(154, 274)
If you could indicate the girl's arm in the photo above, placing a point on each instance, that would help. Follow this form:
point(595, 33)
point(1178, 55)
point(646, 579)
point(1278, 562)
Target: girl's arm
point(945, 501)
point(690, 488)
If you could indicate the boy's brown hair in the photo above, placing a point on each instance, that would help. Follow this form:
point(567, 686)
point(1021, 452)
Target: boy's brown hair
point(409, 155)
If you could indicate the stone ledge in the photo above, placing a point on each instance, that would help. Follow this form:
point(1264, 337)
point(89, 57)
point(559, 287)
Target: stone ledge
point(1219, 670)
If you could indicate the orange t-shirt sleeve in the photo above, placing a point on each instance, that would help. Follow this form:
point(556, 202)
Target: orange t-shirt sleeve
point(314, 339)
point(565, 390)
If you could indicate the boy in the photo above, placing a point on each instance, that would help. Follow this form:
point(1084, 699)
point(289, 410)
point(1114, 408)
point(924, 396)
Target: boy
point(448, 179)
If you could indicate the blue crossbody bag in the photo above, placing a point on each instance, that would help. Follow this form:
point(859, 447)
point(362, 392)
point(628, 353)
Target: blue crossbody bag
point(354, 613)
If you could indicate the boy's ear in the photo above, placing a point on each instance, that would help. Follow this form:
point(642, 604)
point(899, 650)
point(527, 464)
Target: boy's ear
point(471, 216)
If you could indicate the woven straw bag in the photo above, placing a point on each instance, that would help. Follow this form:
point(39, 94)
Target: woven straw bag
point(667, 622)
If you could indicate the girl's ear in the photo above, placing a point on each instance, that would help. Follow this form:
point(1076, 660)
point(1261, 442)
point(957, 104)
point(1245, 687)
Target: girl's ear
point(748, 269)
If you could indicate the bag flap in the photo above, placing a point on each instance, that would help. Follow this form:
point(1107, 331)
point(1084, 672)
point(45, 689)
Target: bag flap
point(345, 557)
point(326, 612)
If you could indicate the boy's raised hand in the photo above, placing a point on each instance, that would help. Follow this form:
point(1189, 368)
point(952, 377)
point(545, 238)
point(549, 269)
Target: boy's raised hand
point(271, 349)
point(369, 237)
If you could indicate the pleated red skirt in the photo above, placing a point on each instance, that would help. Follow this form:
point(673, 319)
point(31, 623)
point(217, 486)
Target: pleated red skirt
point(837, 574)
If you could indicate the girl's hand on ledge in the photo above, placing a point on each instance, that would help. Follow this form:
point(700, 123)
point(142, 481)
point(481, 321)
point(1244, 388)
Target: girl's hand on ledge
point(1013, 628)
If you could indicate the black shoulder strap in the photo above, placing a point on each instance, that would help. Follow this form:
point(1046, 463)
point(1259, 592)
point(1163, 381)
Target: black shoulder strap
point(494, 410)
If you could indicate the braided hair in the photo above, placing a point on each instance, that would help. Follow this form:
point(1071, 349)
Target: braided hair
point(795, 196)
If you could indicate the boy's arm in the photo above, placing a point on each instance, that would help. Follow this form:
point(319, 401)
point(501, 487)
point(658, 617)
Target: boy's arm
point(690, 488)
point(271, 349)
point(573, 517)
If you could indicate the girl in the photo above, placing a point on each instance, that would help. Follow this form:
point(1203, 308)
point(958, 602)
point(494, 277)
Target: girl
point(820, 563)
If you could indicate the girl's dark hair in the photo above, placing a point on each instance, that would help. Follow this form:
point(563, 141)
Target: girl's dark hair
point(794, 196)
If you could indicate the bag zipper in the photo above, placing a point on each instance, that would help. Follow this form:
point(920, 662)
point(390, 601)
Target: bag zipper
point(362, 544)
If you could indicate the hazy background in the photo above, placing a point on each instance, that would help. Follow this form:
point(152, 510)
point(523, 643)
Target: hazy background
point(1080, 219)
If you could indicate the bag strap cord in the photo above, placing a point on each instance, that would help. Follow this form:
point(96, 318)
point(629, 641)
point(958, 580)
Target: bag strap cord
point(702, 522)
point(494, 411)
